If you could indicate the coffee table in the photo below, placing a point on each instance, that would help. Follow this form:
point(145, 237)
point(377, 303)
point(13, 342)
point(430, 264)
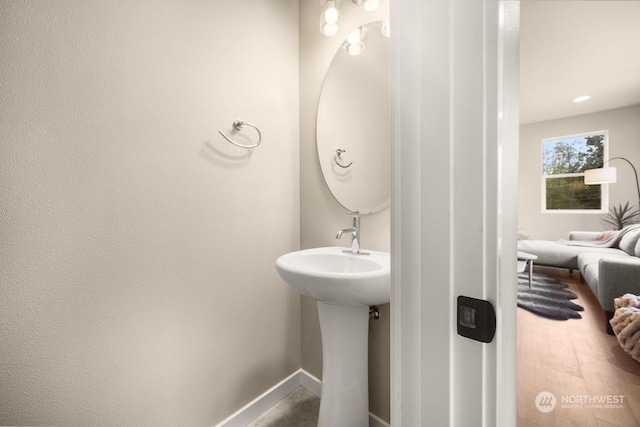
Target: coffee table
point(525, 260)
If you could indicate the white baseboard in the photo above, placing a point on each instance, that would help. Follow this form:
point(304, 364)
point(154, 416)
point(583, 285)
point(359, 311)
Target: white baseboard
point(310, 382)
point(263, 403)
point(266, 400)
point(377, 422)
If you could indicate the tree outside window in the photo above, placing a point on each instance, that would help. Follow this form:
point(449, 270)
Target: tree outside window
point(564, 161)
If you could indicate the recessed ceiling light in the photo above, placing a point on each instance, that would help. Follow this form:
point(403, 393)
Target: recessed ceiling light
point(581, 98)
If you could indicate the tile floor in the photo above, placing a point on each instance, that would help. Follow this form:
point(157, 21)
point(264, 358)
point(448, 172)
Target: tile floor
point(298, 409)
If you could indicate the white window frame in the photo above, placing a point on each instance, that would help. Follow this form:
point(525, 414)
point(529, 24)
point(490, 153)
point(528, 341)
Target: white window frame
point(604, 201)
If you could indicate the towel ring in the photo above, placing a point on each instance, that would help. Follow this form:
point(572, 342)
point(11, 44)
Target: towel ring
point(238, 125)
point(338, 158)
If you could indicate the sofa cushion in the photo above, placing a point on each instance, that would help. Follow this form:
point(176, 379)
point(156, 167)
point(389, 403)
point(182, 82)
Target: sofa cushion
point(588, 258)
point(629, 241)
point(638, 248)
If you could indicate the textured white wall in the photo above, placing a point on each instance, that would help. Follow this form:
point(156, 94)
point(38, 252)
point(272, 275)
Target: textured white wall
point(137, 247)
point(623, 125)
point(321, 216)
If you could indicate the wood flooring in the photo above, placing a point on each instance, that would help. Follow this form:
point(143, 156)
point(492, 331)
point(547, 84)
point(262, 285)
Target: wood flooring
point(576, 361)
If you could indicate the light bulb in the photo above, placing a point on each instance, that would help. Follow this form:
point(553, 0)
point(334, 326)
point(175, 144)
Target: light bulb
point(331, 15)
point(354, 37)
point(371, 5)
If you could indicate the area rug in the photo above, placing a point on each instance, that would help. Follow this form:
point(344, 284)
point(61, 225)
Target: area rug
point(547, 297)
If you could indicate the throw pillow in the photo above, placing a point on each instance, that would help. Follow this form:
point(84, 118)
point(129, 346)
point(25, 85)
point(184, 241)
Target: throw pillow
point(628, 242)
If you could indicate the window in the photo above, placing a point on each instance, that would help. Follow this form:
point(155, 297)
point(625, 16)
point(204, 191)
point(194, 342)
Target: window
point(564, 160)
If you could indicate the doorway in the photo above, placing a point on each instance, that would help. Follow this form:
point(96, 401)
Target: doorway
point(571, 372)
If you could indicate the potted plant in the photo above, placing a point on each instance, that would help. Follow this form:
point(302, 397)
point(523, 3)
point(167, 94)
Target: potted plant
point(620, 216)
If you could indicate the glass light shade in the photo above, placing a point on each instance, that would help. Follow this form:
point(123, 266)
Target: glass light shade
point(329, 30)
point(371, 5)
point(354, 48)
point(600, 176)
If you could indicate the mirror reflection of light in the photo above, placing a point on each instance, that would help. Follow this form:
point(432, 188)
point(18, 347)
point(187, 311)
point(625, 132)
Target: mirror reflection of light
point(385, 29)
point(355, 42)
point(354, 49)
point(354, 37)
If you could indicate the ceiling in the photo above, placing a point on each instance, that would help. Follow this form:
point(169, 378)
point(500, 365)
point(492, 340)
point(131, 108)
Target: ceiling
point(571, 48)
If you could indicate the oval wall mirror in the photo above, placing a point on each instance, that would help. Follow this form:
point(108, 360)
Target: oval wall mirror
point(353, 121)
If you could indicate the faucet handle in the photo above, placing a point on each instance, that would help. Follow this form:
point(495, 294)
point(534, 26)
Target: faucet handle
point(358, 213)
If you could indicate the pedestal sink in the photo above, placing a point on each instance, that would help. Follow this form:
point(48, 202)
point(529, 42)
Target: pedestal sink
point(345, 285)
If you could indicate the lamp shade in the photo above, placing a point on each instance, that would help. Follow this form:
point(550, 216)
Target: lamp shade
point(600, 176)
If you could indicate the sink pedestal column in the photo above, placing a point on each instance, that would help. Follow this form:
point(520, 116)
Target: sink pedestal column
point(345, 388)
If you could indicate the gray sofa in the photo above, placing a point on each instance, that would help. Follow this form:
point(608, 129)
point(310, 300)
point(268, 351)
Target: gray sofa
point(610, 272)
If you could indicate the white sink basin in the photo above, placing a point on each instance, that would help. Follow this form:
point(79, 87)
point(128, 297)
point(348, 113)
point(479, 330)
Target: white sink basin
point(345, 285)
point(335, 277)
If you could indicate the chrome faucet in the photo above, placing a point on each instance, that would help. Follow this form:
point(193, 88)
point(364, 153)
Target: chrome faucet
point(355, 234)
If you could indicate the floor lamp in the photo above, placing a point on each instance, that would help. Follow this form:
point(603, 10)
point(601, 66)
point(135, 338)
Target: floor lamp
point(608, 175)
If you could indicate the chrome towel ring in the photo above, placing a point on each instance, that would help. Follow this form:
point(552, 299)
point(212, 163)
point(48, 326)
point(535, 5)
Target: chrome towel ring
point(238, 125)
point(338, 158)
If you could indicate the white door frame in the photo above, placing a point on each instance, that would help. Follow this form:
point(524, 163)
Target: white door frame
point(454, 126)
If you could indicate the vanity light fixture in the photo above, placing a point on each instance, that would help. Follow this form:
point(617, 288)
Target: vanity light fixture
point(330, 18)
point(581, 98)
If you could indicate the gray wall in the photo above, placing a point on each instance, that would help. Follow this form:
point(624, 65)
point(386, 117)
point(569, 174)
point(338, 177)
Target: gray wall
point(320, 214)
point(623, 125)
point(137, 247)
